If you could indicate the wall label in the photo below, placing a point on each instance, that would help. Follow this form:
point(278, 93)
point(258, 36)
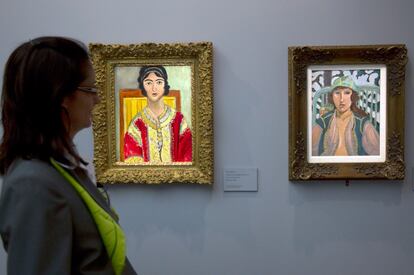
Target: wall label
point(240, 179)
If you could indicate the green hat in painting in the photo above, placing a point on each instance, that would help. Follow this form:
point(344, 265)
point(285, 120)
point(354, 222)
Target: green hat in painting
point(345, 81)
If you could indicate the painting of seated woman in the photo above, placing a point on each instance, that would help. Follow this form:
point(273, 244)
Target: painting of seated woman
point(158, 133)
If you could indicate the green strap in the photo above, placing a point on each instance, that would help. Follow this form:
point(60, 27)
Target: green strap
point(112, 235)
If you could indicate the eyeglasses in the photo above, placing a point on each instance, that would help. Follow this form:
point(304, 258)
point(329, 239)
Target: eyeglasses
point(91, 90)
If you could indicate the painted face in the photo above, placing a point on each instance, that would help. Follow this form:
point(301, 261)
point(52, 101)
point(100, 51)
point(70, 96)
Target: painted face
point(79, 105)
point(154, 86)
point(342, 99)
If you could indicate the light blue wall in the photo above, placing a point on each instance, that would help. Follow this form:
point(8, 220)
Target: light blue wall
point(284, 228)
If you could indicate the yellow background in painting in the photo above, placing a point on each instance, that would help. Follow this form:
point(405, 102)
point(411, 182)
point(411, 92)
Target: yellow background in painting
point(134, 105)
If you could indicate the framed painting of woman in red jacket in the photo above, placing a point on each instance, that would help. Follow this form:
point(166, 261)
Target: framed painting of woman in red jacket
point(154, 123)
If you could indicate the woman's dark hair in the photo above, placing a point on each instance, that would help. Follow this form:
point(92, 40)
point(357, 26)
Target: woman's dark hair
point(158, 71)
point(38, 75)
point(354, 99)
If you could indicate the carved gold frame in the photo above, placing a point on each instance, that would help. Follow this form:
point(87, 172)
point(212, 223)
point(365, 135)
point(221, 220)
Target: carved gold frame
point(200, 56)
point(394, 57)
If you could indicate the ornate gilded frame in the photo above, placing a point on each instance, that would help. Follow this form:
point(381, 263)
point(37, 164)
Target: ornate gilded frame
point(105, 58)
point(394, 57)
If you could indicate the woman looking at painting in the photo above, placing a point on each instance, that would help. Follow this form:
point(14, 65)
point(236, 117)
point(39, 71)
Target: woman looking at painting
point(345, 131)
point(53, 218)
point(158, 133)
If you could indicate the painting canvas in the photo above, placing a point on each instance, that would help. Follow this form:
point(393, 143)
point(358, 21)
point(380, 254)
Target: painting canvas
point(154, 108)
point(346, 113)
point(154, 123)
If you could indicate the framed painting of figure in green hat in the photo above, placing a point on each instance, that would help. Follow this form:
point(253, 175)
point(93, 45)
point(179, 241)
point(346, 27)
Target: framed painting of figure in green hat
point(346, 112)
point(346, 107)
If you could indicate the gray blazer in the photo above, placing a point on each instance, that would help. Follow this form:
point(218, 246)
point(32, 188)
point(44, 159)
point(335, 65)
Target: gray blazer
point(45, 226)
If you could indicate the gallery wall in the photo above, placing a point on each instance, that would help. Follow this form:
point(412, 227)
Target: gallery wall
point(363, 228)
